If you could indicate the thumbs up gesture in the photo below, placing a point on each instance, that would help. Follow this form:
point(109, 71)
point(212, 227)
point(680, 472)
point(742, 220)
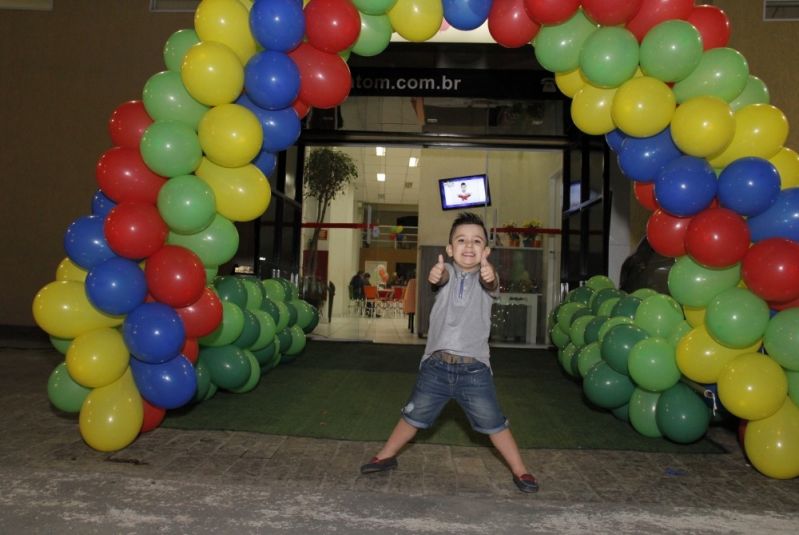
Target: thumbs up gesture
point(487, 274)
point(438, 271)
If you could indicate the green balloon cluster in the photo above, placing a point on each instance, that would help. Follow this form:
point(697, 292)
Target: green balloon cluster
point(623, 348)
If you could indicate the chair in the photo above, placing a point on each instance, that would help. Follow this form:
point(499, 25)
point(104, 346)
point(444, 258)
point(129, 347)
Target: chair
point(371, 300)
point(395, 302)
point(355, 307)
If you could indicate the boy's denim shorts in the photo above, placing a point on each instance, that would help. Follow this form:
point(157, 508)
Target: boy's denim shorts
point(471, 385)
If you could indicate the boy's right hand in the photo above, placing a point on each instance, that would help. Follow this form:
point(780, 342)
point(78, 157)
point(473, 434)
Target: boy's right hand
point(437, 272)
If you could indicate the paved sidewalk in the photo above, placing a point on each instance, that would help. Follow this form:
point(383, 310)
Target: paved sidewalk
point(175, 481)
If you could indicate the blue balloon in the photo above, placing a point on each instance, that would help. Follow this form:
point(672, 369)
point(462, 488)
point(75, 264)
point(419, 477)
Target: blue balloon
point(154, 332)
point(686, 186)
point(116, 286)
point(167, 385)
point(101, 204)
point(272, 80)
point(266, 162)
point(748, 186)
point(780, 220)
point(277, 24)
point(85, 243)
point(642, 158)
point(466, 14)
point(615, 138)
point(281, 129)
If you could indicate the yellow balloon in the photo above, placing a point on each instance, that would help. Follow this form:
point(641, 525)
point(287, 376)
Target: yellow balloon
point(416, 20)
point(97, 358)
point(212, 73)
point(695, 316)
point(247, 4)
point(772, 444)
point(69, 271)
point(752, 386)
point(570, 82)
point(242, 193)
point(703, 126)
point(643, 106)
point(111, 416)
point(701, 359)
point(230, 135)
point(590, 109)
point(227, 22)
point(787, 163)
point(62, 310)
point(760, 130)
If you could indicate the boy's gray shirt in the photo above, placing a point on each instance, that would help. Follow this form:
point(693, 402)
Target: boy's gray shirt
point(460, 321)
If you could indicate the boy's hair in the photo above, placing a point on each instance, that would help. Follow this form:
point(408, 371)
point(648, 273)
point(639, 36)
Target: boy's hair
point(467, 218)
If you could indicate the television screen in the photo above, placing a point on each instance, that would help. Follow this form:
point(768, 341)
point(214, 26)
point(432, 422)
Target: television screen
point(464, 192)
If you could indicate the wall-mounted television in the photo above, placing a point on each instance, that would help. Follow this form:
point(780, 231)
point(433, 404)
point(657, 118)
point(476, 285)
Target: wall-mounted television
point(464, 192)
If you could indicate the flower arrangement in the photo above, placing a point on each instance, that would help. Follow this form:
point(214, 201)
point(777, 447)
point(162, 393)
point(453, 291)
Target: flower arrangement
point(532, 224)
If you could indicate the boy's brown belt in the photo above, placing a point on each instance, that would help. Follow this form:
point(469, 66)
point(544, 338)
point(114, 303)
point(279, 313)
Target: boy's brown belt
point(450, 358)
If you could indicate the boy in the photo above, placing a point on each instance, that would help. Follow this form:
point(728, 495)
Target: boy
point(455, 363)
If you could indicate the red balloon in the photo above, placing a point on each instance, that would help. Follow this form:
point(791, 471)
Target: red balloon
point(783, 306)
point(332, 25)
point(175, 276)
point(717, 237)
point(128, 123)
point(666, 233)
point(153, 416)
point(325, 78)
point(645, 195)
point(301, 108)
point(124, 177)
point(611, 12)
point(510, 25)
point(135, 230)
point(653, 12)
point(191, 350)
point(551, 11)
point(203, 316)
point(713, 26)
point(770, 269)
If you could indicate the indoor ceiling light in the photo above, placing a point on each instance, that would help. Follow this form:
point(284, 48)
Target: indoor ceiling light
point(381, 177)
point(380, 151)
point(413, 162)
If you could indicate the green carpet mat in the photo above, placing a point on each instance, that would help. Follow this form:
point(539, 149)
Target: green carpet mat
point(354, 391)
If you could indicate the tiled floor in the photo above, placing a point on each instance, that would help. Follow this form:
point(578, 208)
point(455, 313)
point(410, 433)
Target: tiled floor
point(387, 329)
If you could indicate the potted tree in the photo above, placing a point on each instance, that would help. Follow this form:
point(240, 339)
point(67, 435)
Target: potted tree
point(327, 172)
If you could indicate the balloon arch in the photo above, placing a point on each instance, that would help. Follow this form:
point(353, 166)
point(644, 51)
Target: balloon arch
point(146, 324)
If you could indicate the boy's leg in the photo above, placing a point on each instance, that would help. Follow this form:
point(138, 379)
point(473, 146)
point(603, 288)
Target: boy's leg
point(403, 432)
point(506, 445)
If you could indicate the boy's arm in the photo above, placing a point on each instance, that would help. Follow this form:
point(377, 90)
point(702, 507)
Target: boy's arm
point(439, 275)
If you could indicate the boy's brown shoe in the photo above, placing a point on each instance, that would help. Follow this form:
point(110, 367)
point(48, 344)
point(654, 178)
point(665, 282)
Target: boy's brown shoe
point(379, 465)
point(526, 483)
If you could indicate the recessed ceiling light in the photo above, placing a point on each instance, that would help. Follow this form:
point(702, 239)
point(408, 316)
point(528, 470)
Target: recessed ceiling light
point(381, 177)
point(380, 151)
point(413, 162)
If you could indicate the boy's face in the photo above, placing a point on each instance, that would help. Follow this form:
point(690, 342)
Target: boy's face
point(468, 247)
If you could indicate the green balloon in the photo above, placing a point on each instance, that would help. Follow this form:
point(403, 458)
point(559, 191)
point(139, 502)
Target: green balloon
point(231, 289)
point(643, 412)
point(250, 331)
point(609, 56)
point(374, 7)
point(679, 331)
point(557, 46)
point(255, 292)
point(626, 306)
point(305, 313)
point(566, 312)
point(269, 306)
point(210, 274)
point(290, 289)
point(588, 357)
point(375, 35)
point(187, 204)
point(229, 329)
point(283, 316)
point(755, 92)
point(255, 375)
point(284, 337)
point(737, 318)
point(643, 293)
point(722, 73)
point(671, 50)
point(653, 364)
point(607, 388)
point(314, 319)
point(203, 381)
point(274, 289)
point(617, 344)
point(171, 148)
point(658, 315)
point(560, 338)
point(265, 355)
point(580, 295)
point(622, 413)
point(781, 339)
point(61, 344)
point(592, 329)
point(297, 340)
point(277, 357)
point(292, 313)
point(607, 306)
point(577, 329)
point(565, 356)
point(166, 99)
point(64, 393)
point(793, 385)
point(609, 324)
point(682, 416)
point(215, 245)
point(176, 47)
point(695, 285)
point(267, 331)
point(228, 365)
point(601, 296)
point(211, 392)
point(599, 282)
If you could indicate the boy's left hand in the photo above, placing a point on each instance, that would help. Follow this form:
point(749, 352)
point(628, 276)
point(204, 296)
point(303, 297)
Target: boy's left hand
point(487, 274)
